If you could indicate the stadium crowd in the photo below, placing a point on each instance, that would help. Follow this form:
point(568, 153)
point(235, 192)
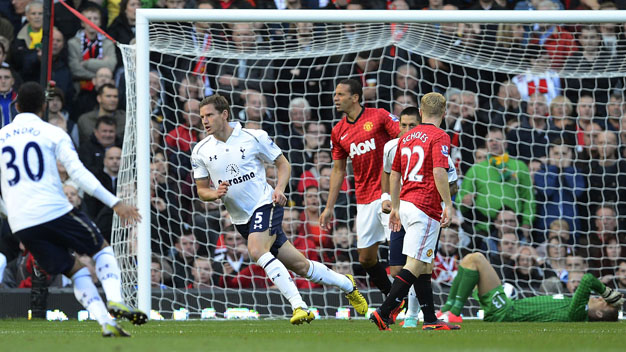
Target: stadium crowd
point(541, 159)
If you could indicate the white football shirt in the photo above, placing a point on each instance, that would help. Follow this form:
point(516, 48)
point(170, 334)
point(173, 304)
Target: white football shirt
point(239, 161)
point(31, 186)
point(389, 152)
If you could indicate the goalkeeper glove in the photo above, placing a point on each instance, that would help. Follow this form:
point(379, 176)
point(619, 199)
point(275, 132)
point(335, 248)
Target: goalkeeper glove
point(613, 297)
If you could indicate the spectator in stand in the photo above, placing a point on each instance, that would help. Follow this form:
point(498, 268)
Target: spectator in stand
point(592, 58)
point(107, 105)
point(74, 195)
point(61, 73)
point(559, 187)
point(292, 225)
point(8, 95)
point(203, 274)
point(563, 124)
point(122, 29)
point(89, 51)
point(255, 110)
point(607, 175)
point(619, 281)
point(615, 112)
point(92, 151)
point(185, 135)
point(573, 281)
point(501, 181)
point(299, 114)
point(401, 101)
point(182, 258)
point(554, 39)
point(525, 275)
point(612, 252)
point(406, 81)
point(56, 110)
point(344, 245)
point(445, 265)
point(27, 45)
point(472, 129)
point(531, 139)
point(156, 273)
point(540, 78)
point(506, 222)
point(364, 67)
point(87, 100)
point(107, 176)
point(505, 106)
point(235, 75)
point(605, 224)
point(233, 257)
point(504, 257)
point(310, 220)
point(315, 139)
point(4, 50)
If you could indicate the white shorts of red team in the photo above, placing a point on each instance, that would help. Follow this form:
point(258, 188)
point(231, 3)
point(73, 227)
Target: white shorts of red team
point(372, 225)
point(421, 235)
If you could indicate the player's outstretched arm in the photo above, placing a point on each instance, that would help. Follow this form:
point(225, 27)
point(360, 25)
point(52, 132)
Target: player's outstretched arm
point(441, 181)
point(284, 170)
point(336, 179)
point(208, 194)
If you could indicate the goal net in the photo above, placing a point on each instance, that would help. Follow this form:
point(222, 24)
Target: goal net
point(534, 114)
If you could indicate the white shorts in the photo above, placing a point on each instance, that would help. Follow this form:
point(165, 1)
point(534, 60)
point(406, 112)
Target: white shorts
point(422, 232)
point(369, 224)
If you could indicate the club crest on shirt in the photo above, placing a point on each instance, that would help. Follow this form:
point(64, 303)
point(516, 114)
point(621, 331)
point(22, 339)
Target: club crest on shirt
point(368, 126)
point(429, 253)
point(444, 150)
point(232, 169)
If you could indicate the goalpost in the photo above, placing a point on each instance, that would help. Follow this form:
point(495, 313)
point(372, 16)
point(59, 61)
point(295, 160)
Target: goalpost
point(170, 43)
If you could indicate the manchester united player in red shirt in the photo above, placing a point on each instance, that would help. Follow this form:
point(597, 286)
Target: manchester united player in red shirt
point(421, 164)
point(361, 135)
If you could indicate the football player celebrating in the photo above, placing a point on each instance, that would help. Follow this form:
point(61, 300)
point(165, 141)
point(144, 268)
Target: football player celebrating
point(232, 158)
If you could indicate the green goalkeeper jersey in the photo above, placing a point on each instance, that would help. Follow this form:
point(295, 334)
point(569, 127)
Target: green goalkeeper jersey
point(498, 307)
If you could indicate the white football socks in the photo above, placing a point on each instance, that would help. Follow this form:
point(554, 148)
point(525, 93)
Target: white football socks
point(87, 294)
point(279, 275)
point(414, 304)
point(109, 274)
point(320, 273)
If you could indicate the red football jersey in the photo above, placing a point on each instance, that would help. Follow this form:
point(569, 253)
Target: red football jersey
point(419, 151)
point(363, 141)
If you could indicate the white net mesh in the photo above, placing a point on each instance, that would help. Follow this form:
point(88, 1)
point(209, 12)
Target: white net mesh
point(546, 211)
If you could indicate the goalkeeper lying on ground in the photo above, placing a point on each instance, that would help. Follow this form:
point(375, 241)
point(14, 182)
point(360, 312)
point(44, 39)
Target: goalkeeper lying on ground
point(476, 270)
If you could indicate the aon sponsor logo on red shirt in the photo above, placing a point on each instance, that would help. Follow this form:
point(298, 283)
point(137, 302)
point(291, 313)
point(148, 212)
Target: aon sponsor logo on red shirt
point(362, 148)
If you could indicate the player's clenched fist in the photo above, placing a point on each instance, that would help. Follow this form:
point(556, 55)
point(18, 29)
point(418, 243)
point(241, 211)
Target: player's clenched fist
point(222, 189)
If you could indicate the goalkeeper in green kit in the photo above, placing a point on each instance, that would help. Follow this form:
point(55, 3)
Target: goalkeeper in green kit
point(474, 270)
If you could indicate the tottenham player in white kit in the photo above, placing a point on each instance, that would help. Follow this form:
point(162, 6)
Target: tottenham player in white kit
point(40, 215)
point(232, 158)
point(409, 118)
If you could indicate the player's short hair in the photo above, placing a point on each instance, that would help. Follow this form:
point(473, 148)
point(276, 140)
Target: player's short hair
point(354, 86)
point(433, 104)
point(607, 313)
point(219, 103)
point(411, 111)
point(106, 86)
point(107, 120)
point(31, 97)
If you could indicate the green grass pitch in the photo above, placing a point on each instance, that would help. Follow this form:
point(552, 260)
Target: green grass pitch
point(322, 335)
